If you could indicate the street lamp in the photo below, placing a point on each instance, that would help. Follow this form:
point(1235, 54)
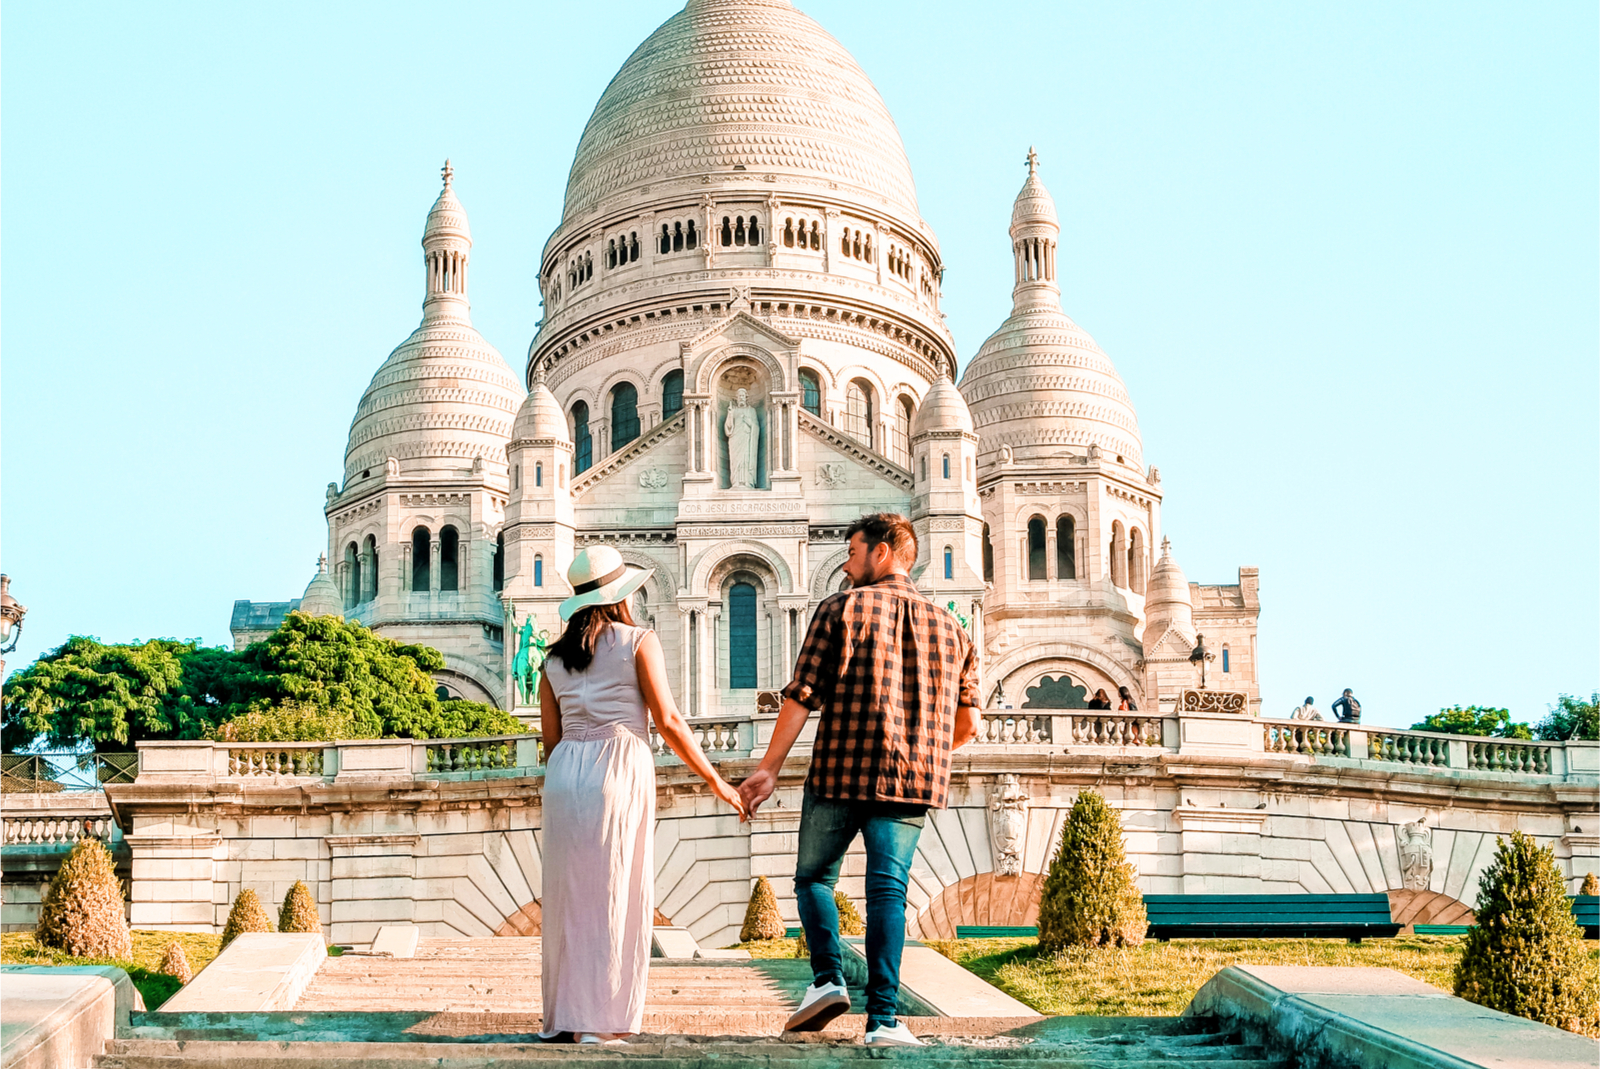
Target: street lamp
point(1200, 656)
point(11, 615)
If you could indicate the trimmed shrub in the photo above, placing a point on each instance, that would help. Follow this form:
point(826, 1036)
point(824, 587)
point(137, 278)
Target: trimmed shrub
point(247, 915)
point(761, 918)
point(175, 963)
point(1591, 886)
point(1526, 955)
point(299, 912)
point(1090, 897)
point(850, 922)
point(82, 913)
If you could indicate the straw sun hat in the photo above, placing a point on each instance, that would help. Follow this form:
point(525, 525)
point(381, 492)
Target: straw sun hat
point(599, 577)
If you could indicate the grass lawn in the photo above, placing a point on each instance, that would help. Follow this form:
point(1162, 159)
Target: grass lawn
point(18, 948)
point(1158, 979)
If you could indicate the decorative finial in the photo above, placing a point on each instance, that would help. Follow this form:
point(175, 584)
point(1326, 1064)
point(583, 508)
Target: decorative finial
point(1166, 546)
point(322, 564)
point(1033, 162)
point(449, 173)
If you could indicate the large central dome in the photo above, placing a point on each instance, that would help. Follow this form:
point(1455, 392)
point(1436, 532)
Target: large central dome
point(740, 84)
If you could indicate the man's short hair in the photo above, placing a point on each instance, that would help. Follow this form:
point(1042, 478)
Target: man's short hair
point(891, 528)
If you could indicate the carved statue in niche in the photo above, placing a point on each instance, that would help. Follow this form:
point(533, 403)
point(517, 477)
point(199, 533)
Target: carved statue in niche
point(744, 441)
point(1008, 825)
point(1416, 855)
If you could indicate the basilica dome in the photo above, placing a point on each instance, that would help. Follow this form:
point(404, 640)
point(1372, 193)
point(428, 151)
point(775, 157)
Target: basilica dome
point(1040, 386)
point(731, 85)
point(445, 396)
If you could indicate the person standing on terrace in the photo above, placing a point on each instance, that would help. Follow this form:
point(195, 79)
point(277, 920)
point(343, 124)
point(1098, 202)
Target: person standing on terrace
point(894, 679)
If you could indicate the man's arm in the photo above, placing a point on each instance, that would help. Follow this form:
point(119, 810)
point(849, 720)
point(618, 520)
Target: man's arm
point(966, 725)
point(758, 786)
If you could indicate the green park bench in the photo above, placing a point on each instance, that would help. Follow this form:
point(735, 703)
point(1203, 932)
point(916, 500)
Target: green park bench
point(1586, 909)
point(1352, 917)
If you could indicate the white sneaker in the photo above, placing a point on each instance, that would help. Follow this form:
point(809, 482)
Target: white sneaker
point(590, 1037)
point(822, 1003)
point(894, 1035)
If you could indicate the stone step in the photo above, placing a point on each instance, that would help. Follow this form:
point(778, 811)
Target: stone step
point(663, 1052)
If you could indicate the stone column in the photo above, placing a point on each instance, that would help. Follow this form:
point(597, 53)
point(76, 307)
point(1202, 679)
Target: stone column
point(372, 884)
point(174, 877)
point(436, 563)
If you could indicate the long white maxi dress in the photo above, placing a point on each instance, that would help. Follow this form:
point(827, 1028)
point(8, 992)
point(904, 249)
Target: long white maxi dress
point(599, 863)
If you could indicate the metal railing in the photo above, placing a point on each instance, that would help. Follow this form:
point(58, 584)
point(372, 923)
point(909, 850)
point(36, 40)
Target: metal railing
point(56, 771)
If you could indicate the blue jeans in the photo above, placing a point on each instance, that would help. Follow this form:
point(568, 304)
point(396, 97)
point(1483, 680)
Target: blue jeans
point(889, 831)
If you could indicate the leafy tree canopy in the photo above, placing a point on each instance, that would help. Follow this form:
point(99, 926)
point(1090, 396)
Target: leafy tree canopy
point(328, 678)
point(1572, 717)
point(1475, 720)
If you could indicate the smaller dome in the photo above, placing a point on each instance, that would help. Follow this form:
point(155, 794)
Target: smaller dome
point(943, 409)
point(447, 218)
point(540, 416)
point(1166, 599)
point(322, 596)
point(1034, 204)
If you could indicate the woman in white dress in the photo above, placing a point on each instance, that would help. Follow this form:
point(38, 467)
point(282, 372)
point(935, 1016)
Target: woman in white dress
point(601, 680)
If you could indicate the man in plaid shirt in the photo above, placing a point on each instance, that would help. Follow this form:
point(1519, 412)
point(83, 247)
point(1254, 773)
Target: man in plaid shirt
point(895, 679)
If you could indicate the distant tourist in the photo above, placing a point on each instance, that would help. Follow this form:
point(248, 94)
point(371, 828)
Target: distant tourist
point(1308, 711)
point(599, 679)
point(1347, 709)
point(1100, 701)
point(1125, 701)
point(895, 681)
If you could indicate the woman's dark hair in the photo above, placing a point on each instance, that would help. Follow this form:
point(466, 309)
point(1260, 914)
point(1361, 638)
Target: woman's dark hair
point(576, 645)
point(1101, 694)
point(1122, 692)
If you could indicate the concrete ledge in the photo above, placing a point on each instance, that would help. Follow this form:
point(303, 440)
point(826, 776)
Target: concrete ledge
point(1369, 1018)
point(62, 1017)
point(397, 940)
point(931, 985)
point(258, 971)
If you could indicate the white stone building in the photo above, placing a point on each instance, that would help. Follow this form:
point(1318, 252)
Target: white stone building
point(742, 351)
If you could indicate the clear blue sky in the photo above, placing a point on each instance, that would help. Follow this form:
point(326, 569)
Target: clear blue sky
point(1344, 255)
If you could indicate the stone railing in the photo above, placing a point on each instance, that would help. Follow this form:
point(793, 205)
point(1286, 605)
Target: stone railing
point(55, 819)
point(719, 737)
point(1007, 728)
point(1116, 729)
point(1429, 749)
point(478, 755)
point(339, 762)
point(275, 759)
point(1053, 729)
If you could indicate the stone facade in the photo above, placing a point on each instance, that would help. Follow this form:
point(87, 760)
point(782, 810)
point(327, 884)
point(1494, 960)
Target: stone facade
point(741, 216)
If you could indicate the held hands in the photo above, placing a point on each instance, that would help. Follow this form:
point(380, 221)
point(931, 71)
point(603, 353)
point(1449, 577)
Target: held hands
point(757, 788)
point(721, 788)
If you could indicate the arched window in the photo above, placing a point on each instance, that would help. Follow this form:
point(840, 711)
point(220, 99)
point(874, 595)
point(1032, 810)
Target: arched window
point(421, 546)
point(1225, 665)
point(1036, 568)
point(1066, 548)
point(499, 575)
point(369, 572)
point(1119, 555)
point(947, 465)
point(727, 231)
point(810, 392)
point(538, 570)
point(949, 563)
point(1135, 560)
point(624, 414)
point(672, 393)
point(900, 448)
point(742, 636)
point(352, 570)
point(449, 555)
point(582, 443)
point(538, 473)
point(988, 556)
point(858, 411)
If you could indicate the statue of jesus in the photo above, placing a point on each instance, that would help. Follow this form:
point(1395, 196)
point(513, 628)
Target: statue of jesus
point(744, 437)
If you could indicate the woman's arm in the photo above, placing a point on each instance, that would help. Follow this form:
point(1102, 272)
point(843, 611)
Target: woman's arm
point(549, 716)
point(652, 668)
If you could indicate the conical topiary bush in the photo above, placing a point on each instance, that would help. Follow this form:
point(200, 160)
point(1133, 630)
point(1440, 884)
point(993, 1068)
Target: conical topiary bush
point(1090, 897)
point(175, 963)
point(850, 922)
point(247, 915)
point(82, 913)
point(299, 912)
point(1526, 955)
point(1591, 886)
point(761, 917)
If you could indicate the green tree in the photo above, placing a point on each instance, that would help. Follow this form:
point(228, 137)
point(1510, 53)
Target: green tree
point(1526, 956)
point(109, 695)
point(1475, 720)
point(1572, 717)
point(1090, 896)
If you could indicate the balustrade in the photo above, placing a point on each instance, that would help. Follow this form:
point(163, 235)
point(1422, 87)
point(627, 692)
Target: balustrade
point(1310, 738)
point(46, 830)
point(1427, 750)
point(471, 755)
point(277, 759)
point(715, 737)
point(1495, 755)
point(1007, 729)
point(1115, 729)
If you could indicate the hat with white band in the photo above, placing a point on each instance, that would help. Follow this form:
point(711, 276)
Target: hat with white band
point(600, 577)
